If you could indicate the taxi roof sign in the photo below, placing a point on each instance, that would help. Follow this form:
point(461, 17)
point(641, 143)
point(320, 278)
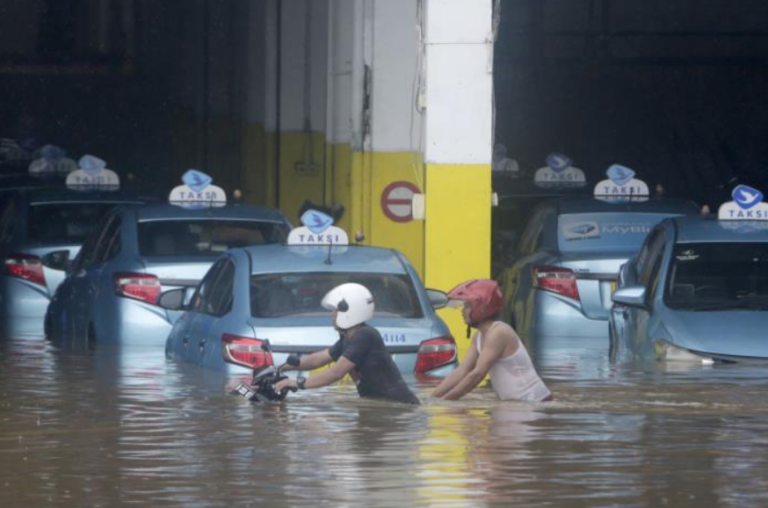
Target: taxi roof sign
point(197, 192)
point(747, 204)
point(317, 229)
point(53, 161)
point(559, 173)
point(93, 174)
point(621, 185)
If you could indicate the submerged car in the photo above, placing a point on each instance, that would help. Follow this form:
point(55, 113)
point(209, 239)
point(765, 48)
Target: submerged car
point(568, 261)
point(39, 230)
point(272, 295)
point(697, 290)
point(111, 291)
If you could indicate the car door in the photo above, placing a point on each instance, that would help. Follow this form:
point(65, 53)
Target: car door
point(192, 328)
point(71, 298)
point(212, 320)
point(636, 325)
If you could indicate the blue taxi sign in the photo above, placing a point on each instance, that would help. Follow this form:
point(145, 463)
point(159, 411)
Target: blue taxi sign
point(621, 185)
point(317, 229)
point(93, 173)
point(53, 161)
point(198, 191)
point(747, 204)
point(559, 173)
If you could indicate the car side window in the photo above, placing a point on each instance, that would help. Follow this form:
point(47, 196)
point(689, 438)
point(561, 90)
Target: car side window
point(649, 274)
point(109, 244)
point(221, 296)
point(202, 297)
point(88, 251)
point(645, 251)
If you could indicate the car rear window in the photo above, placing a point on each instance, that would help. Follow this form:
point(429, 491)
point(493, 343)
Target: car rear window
point(204, 237)
point(717, 275)
point(64, 223)
point(623, 231)
point(300, 294)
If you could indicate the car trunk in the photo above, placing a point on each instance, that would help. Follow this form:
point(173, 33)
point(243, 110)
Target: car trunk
point(596, 275)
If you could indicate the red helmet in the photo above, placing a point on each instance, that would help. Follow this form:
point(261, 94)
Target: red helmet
point(483, 297)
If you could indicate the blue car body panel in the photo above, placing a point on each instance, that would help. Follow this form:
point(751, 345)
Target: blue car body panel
point(197, 336)
point(722, 330)
point(23, 303)
point(590, 238)
point(87, 306)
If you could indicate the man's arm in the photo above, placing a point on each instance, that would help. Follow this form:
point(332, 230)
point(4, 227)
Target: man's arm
point(340, 369)
point(464, 368)
point(312, 362)
point(492, 351)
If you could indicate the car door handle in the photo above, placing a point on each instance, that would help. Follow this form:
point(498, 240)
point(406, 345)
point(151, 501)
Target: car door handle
point(201, 344)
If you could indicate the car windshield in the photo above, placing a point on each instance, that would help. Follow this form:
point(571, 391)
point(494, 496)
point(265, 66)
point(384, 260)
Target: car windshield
point(204, 237)
point(300, 294)
point(64, 223)
point(712, 276)
point(620, 231)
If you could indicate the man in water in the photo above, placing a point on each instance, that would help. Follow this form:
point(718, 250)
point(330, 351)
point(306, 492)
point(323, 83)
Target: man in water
point(359, 352)
point(496, 350)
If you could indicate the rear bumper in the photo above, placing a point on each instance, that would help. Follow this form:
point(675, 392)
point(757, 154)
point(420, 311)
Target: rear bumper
point(22, 308)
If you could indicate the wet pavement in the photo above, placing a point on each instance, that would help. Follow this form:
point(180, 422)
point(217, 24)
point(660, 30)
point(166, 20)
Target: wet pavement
point(111, 428)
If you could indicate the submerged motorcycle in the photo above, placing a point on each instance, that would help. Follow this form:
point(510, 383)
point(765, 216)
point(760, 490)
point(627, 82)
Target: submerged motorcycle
point(261, 388)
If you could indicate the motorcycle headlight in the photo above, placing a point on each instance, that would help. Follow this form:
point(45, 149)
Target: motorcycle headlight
point(671, 353)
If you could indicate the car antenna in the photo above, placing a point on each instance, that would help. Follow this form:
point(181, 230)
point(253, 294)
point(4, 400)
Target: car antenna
point(330, 247)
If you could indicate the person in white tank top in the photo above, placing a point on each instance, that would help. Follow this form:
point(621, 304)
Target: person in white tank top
point(496, 350)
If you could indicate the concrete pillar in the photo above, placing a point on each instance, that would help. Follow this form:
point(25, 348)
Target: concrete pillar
point(458, 132)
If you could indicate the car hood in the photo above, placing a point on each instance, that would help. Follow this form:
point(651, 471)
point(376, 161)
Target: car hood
point(739, 333)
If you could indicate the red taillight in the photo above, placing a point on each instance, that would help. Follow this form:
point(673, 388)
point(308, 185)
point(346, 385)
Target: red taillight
point(25, 266)
point(245, 351)
point(556, 279)
point(434, 353)
point(139, 286)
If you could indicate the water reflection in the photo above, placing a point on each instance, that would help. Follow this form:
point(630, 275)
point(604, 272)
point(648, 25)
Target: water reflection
point(126, 426)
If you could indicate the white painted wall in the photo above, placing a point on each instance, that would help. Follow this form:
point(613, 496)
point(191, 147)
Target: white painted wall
point(341, 39)
point(459, 82)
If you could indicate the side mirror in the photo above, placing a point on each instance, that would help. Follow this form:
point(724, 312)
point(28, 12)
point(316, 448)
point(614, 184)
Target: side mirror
point(437, 298)
point(633, 296)
point(57, 260)
point(172, 299)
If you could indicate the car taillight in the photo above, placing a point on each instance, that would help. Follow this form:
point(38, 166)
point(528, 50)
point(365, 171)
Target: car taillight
point(434, 353)
point(245, 351)
point(139, 286)
point(25, 266)
point(556, 279)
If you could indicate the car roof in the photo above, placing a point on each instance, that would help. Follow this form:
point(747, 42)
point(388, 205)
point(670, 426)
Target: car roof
point(594, 205)
point(165, 211)
point(353, 258)
point(707, 229)
point(65, 195)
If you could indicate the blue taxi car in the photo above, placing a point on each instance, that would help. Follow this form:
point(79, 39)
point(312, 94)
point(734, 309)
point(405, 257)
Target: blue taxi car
point(698, 288)
point(111, 290)
point(40, 229)
point(559, 287)
point(272, 294)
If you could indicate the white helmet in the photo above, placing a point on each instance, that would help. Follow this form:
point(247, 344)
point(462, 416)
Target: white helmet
point(353, 302)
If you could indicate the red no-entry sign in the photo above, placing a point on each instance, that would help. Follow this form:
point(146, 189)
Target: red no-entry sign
point(396, 201)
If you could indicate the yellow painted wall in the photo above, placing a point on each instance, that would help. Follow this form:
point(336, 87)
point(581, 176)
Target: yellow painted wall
point(458, 232)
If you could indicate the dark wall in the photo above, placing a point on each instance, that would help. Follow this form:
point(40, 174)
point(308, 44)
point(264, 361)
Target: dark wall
point(673, 89)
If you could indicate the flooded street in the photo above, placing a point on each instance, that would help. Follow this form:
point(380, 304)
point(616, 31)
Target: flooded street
point(128, 427)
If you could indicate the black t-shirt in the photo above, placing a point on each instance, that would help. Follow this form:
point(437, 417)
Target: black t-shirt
point(375, 373)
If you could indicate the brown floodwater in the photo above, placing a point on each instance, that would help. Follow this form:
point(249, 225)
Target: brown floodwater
point(111, 428)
